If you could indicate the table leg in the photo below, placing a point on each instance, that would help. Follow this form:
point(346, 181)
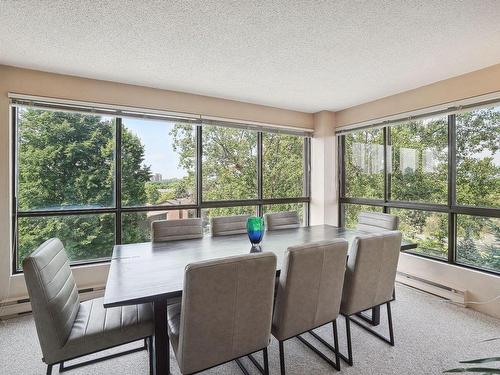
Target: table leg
point(376, 316)
point(162, 347)
point(374, 320)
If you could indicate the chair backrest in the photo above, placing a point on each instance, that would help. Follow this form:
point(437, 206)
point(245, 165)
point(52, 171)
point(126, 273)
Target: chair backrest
point(282, 220)
point(172, 230)
point(377, 221)
point(226, 310)
point(310, 287)
point(371, 271)
point(53, 294)
point(227, 225)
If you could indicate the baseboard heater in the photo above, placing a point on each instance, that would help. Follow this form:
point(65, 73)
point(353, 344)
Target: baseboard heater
point(449, 292)
point(15, 307)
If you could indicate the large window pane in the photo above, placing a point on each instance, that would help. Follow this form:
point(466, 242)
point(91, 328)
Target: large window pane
point(229, 170)
point(65, 160)
point(353, 210)
point(300, 208)
point(428, 229)
point(364, 164)
point(420, 161)
point(478, 157)
point(478, 241)
point(283, 166)
point(136, 226)
point(208, 213)
point(85, 237)
point(158, 163)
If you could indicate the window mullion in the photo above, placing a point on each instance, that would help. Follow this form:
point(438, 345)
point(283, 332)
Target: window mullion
point(387, 172)
point(452, 180)
point(341, 164)
point(260, 180)
point(199, 177)
point(118, 180)
point(14, 188)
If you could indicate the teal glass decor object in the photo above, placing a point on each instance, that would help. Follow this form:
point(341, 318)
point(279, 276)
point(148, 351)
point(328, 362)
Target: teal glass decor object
point(255, 229)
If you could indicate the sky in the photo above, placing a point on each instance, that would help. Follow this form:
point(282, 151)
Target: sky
point(159, 153)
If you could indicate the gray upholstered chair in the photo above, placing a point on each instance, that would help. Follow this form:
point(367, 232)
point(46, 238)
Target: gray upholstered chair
point(282, 220)
point(228, 225)
point(226, 312)
point(67, 328)
point(309, 293)
point(172, 230)
point(377, 221)
point(369, 280)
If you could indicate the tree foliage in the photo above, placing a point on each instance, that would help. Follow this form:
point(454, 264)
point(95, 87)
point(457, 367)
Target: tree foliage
point(418, 166)
point(66, 161)
point(229, 167)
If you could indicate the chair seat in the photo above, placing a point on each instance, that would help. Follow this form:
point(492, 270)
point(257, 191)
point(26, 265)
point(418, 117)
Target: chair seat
point(174, 323)
point(97, 328)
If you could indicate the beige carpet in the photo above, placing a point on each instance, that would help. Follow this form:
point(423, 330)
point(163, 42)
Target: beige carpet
point(431, 335)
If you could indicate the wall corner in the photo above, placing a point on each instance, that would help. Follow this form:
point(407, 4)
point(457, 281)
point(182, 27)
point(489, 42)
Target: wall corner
point(324, 181)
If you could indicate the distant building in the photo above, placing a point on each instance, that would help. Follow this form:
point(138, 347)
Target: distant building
point(171, 214)
point(157, 177)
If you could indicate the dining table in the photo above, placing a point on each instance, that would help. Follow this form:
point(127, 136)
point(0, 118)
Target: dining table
point(153, 272)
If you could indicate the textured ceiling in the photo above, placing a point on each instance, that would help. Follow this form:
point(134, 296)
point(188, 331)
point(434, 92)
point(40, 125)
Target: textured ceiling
point(302, 55)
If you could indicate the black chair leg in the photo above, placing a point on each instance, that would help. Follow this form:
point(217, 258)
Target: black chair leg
point(282, 358)
point(349, 342)
point(266, 361)
point(336, 345)
point(61, 367)
point(391, 329)
point(49, 369)
point(151, 355)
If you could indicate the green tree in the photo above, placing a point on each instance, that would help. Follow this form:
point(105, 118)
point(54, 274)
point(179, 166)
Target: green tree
point(66, 161)
point(229, 167)
point(419, 172)
point(364, 164)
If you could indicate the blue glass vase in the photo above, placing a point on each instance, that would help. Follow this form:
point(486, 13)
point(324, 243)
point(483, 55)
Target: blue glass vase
point(255, 229)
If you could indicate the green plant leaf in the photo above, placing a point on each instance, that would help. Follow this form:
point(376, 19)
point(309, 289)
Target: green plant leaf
point(482, 360)
point(483, 370)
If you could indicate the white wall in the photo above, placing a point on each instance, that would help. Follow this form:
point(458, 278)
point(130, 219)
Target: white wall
point(479, 286)
point(324, 181)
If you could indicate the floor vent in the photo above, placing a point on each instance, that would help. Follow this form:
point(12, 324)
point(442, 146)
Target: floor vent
point(449, 292)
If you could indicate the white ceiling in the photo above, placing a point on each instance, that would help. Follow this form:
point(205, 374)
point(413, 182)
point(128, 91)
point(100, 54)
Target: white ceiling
point(299, 54)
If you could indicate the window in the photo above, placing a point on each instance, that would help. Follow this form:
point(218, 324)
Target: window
point(478, 241)
point(95, 181)
point(429, 230)
point(283, 166)
point(478, 157)
point(84, 236)
point(442, 180)
point(158, 163)
point(229, 163)
point(364, 164)
point(420, 161)
point(65, 160)
point(65, 163)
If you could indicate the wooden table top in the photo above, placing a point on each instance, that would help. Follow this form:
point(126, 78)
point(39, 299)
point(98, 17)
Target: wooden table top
point(142, 272)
